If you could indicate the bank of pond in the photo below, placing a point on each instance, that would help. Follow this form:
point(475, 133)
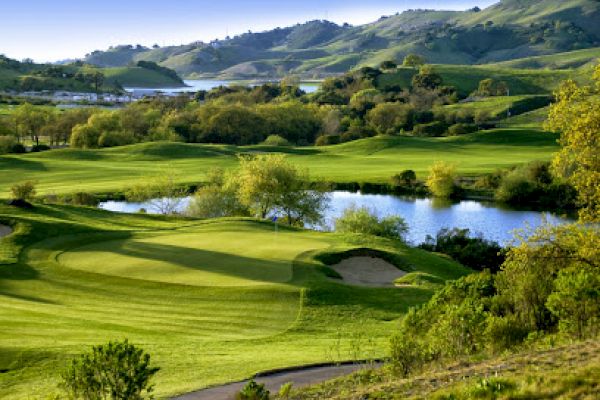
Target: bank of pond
point(424, 216)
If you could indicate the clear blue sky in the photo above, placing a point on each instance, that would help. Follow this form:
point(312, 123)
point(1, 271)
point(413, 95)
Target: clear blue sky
point(49, 30)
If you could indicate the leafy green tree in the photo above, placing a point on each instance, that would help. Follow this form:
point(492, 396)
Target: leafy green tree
point(363, 221)
point(30, 120)
point(253, 391)
point(406, 178)
point(576, 115)
point(87, 136)
point(427, 78)
point(116, 370)
point(527, 278)
point(575, 301)
point(413, 61)
point(391, 118)
point(218, 198)
point(441, 179)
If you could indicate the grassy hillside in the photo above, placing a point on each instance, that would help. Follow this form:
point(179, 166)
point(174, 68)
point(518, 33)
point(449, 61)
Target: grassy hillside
point(568, 60)
point(564, 372)
point(17, 76)
point(367, 160)
point(511, 29)
point(233, 306)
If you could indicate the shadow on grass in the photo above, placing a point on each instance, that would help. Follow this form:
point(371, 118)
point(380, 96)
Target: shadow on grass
point(248, 268)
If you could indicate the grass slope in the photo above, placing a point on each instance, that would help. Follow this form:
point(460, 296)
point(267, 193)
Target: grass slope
point(61, 291)
point(563, 372)
point(367, 160)
point(138, 77)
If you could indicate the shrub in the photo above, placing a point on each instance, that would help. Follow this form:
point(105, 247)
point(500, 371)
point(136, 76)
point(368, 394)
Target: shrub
point(433, 129)
point(285, 390)
point(504, 332)
point(18, 148)
point(39, 148)
point(363, 221)
point(6, 144)
point(253, 391)
point(406, 178)
point(461, 129)
point(275, 140)
point(115, 138)
point(441, 180)
point(23, 191)
point(473, 252)
point(406, 354)
point(84, 199)
point(326, 140)
point(117, 370)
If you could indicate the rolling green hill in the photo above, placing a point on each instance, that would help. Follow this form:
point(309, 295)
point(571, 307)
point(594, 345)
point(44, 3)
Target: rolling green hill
point(213, 301)
point(511, 29)
point(79, 77)
point(367, 160)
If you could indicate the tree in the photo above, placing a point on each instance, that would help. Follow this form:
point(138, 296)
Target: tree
point(218, 198)
point(427, 79)
point(413, 61)
point(533, 263)
point(441, 179)
point(269, 184)
point(87, 136)
point(161, 191)
point(390, 118)
point(116, 370)
point(406, 178)
point(576, 115)
point(362, 220)
point(30, 120)
point(388, 65)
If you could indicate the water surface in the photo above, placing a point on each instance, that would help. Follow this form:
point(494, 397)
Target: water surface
point(424, 216)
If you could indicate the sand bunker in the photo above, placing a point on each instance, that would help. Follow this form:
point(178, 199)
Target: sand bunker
point(5, 230)
point(368, 271)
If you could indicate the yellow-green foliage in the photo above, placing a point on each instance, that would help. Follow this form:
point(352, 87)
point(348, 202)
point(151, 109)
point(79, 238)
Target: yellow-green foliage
point(576, 114)
point(441, 179)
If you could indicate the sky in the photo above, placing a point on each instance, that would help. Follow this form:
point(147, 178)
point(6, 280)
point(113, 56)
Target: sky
point(52, 30)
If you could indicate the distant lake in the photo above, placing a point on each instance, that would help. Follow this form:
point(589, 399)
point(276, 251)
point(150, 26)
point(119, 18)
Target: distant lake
point(424, 216)
point(195, 85)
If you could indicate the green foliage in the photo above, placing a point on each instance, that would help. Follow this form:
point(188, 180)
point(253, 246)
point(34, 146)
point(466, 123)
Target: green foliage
point(441, 179)
point(218, 198)
point(285, 390)
point(275, 140)
point(461, 129)
point(407, 354)
point(253, 391)
point(23, 191)
point(391, 118)
point(432, 129)
point(406, 178)
point(363, 221)
point(162, 191)
point(116, 370)
point(413, 61)
point(575, 301)
point(6, 144)
point(427, 78)
point(576, 114)
point(473, 252)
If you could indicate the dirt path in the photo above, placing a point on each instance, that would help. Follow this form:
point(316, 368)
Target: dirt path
point(5, 230)
point(300, 378)
point(368, 271)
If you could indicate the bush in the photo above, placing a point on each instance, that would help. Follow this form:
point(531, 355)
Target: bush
point(275, 140)
point(326, 140)
point(473, 252)
point(406, 354)
point(39, 148)
point(6, 144)
point(406, 178)
point(363, 221)
point(504, 332)
point(117, 370)
point(84, 199)
point(115, 138)
point(441, 180)
point(253, 391)
point(18, 148)
point(23, 191)
point(433, 129)
point(461, 129)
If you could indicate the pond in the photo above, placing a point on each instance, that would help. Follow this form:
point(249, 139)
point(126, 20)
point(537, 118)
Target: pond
point(424, 216)
point(195, 85)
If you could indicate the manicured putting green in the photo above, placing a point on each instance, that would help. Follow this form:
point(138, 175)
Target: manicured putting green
point(201, 257)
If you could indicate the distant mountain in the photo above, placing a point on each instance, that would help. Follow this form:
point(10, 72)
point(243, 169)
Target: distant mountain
point(510, 29)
